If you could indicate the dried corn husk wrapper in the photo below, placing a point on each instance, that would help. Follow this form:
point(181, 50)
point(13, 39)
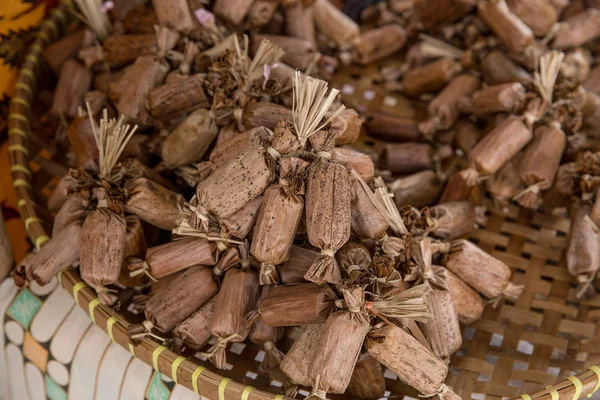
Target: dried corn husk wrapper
point(355, 160)
point(133, 168)
point(414, 364)
point(299, 53)
point(57, 254)
point(443, 330)
point(279, 218)
point(300, 304)
point(177, 98)
point(237, 297)
point(393, 128)
point(121, 50)
point(339, 346)
point(174, 14)
point(172, 257)
point(467, 302)
point(506, 183)
point(66, 185)
point(437, 12)
point(176, 301)
point(578, 29)
point(467, 135)
point(298, 359)
point(561, 192)
point(233, 12)
point(411, 157)
point(497, 148)
point(265, 114)
point(457, 189)
point(505, 97)
point(74, 209)
point(299, 261)
point(539, 15)
point(228, 150)
point(250, 173)
point(101, 245)
point(499, 68)
point(443, 109)
point(266, 335)
point(430, 78)
point(334, 24)
point(135, 246)
point(154, 203)
point(81, 136)
point(354, 259)
point(583, 253)
point(190, 140)
point(378, 43)
point(193, 332)
point(347, 127)
point(369, 217)
point(299, 21)
point(486, 274)
point(540, 162)
point(452, 219)
point(367, 381)
point(418, 190)
point(506, 25)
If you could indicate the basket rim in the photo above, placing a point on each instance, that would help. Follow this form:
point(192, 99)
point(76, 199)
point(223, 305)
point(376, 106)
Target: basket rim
point(184, 371)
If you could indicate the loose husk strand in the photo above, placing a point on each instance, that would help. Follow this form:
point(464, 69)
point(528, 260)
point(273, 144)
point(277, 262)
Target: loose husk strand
point(382, 193)
point(545, 78)
point(95, 17)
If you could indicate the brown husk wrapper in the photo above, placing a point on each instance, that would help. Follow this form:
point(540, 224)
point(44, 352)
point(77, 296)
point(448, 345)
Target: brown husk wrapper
point(369, 218)
point(72, 84)
point(408, 158)
point(278, 219)
point(298, 359)
point(347, 126)
point(177, 300)
point(174, 14)
point(58, 253)
point(240, 223)
point(467, 135)
point(367, 380)
point(443, 109)
point(486, 274)
point(354, 258)
point(266, 335)
point(299, 21)
point(453, 219)
point(506, 25)
point(414, 364)
point(539, 15)
point(284, 138)
point(334, 24)
point(299, 53)
point(265, 114)
point(499, 68)
point(328, 199)
point(356, 160)
point(457, 189)
point(176, 98)
point(430, 78)
point(169, 258)
point(578, 29)
point(506, 183)
point(443, 330)
point(468, 304)
point(66, 185)
point(583, 253)
point(540, 162)
point(237, 297)
point(299, 261)
point(81, 136)
point(190, 140)
point(193, 332)
point(133, 168)
point(437, 12)
point(261, 13)
point(505, 97)
point(300, 304)
point(232, 11)
point(154, 203)
point(595, 214)
point(122, 50)
point(249, 173)
point(418, 190)
point(74, 209)
point(231, 148)
point(101, 244)
point(339, 346)
point(393, 128)
point(376, 44)
point(135, 246)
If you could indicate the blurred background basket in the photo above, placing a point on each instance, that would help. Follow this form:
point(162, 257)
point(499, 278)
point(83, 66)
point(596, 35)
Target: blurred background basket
point(546, 344)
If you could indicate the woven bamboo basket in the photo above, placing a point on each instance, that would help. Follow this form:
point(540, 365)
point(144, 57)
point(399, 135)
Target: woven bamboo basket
point(546, 344)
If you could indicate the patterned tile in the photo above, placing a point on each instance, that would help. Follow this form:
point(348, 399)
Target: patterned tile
point(35, 352)
point(24, 307)
point(54, 391)
point(157, 389)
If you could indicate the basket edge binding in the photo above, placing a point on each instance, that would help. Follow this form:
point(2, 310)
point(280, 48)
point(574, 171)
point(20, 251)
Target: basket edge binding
point(183, 371)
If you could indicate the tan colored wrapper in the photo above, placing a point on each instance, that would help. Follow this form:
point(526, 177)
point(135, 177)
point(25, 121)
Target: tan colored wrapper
point(539, 15)
point(578, 29)
point(133, 168)
point(231, 148)
point(193, 332)
point(354, 259)
point(74, 209)
point(299, 21)
point(430, 78)
point(300, 304)
point(299, 53)
point(73, 82)
point(174, 14)
point(393, 128)
point(176, 301)
point(298, 359)
point(408, 158)
point(190, 140)
point(369, 218)
point(493, 281)
point(505, 97)
point(355, 160)
point(170, 258)
point(367, 380)
point(334, 24)
point(232, 11)
point(418, 190)
point(237, 297)
point(467, 302)
point(135, 246)
point(122, 50)
point(299, 261)
point(265, 114)
point(506, 25)
point(376, 44)
point(348, 125)
point(266, 335)
point(177, 98)
point(154, 203)
point(452, 219)
point(240, 223)
point(261, 13)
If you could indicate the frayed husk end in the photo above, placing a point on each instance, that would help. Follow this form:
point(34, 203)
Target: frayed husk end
point(273, 357)
point(177, 345)
point(529, 200)
point(252, 317)
point(470, 175)
point(19, 276)
point(217, 356)
point(324, 269)
point(512, 291)
point(290, 389)
point(268, 274)
point(106, 296)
